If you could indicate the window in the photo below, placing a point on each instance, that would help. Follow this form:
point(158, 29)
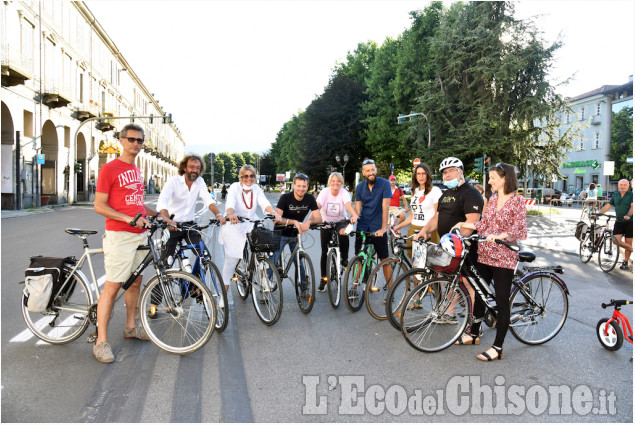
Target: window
point(26, 47)
point(580, 145)
point(567, 118)
point(598, 106)
point(583, 113)
point(597, 140)
point(80, 87)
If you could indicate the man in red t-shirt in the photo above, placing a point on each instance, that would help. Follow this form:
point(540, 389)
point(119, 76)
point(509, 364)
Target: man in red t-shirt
point(119, 197)
point(395, 201)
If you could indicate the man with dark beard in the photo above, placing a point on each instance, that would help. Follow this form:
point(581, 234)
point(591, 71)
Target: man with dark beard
point(179, 197)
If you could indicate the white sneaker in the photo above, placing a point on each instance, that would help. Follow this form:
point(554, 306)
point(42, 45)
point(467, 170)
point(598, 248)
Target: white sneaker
point(265, 285)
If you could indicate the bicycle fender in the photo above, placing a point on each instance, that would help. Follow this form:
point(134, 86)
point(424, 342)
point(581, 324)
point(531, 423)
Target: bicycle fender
point(546, 274)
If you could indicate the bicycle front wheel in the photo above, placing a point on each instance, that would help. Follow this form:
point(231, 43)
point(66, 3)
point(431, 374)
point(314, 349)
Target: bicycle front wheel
point(378, 285)
point(608, 254)
point(184, 320)
point(267, 291)
point(67, 318)
point(610, 337)
point(586, 248)
point(398, 292)
point(354, 284)
point(334, 283)
point(241, 274)
point(211, 277)
point(539, 308)
point(421, 320)
point(305, 288)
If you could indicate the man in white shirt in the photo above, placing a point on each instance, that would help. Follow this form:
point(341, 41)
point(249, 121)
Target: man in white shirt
point(179, 196)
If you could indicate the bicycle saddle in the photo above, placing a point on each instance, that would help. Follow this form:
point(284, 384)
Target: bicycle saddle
point(526, 256)
point(80, 231)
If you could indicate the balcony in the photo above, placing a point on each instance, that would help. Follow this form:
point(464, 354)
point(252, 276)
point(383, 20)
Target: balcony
point(85, 111)
point(596, 120)
point(56, 96)
point(15, 69)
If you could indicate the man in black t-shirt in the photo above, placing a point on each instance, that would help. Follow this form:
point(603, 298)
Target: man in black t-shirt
point(460, 203)
point(293, 207)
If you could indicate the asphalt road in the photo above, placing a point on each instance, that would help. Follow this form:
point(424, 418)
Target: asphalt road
point(327, 366)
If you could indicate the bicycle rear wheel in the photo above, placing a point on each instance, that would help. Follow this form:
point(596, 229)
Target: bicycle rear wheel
point(398, 292)
point(539, 308)
point(354, 284)
point(267, 291)
point(211, 277)
point(185, 318)
point(586, 248)
point(305, 288)
point(420, 321)
point(608, 254)
point(378, 286)
point(67, 318)
point(334, 284)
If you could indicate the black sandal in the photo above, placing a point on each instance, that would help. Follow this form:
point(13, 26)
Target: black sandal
point(499, 351)
point(475, 340)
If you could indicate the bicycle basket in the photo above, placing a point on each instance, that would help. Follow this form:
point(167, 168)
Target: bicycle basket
point(441, 261)
point(264, 240)
point(581, 230)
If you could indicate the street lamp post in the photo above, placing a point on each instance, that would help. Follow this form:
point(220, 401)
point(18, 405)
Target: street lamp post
point(401, 119)
point(343, 165)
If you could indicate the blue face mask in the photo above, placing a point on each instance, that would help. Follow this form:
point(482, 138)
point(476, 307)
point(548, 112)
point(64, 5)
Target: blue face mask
point(452, 183)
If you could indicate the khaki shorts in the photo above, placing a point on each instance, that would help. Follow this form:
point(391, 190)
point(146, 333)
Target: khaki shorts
point(121, 256)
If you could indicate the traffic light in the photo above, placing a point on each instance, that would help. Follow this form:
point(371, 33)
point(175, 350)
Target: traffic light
point(151, 118)
point(132, 117)
point(165, 118)
point(487, 164)
point(478, 164)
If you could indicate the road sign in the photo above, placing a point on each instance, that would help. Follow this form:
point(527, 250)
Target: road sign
point(629, 160)
point(40, 158)
point(279, 177)
point(416, 162)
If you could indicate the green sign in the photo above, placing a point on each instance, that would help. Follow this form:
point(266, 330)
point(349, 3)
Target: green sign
point(590, 163)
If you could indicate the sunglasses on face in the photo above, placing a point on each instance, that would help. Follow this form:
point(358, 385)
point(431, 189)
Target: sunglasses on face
point(249, 176)
point(134, 140)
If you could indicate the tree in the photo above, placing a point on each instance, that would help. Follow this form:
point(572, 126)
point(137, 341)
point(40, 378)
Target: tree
point(249, 158)
point(284, 149)
point(622, 143)
point(489, 88)
point(332, 125)
point(229, 167)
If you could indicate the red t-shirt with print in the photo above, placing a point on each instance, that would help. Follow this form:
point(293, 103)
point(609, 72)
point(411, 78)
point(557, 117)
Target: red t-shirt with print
point(396, 194)
point(123, 183)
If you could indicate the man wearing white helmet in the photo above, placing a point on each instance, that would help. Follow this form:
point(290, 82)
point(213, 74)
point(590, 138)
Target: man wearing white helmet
point(460, 203)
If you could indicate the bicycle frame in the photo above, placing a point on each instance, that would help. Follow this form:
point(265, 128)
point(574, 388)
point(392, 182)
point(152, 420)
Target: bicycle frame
point(620, 318)
point(294, 257)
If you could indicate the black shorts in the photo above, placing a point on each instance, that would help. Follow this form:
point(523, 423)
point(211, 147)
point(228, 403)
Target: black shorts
point(624, 228)
point(380, 244)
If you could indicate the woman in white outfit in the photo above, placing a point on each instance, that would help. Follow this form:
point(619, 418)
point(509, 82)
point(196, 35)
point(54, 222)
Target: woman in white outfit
point(242, 199)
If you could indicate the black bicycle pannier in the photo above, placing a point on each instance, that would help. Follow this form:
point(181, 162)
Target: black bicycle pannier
point(581, 230)
point(264, 240)
point(43, 279)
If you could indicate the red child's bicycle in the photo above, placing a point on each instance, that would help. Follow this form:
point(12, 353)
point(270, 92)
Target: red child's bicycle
point(608, 330)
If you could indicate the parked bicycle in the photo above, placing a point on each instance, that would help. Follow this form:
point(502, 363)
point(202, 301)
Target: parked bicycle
point(185, 315)
point(608, 330)
point(205, 269)
point(256, 273)
point(334, 267)
point(358, 270)
point(303, 275)
point(600, 239)
point(538, 299)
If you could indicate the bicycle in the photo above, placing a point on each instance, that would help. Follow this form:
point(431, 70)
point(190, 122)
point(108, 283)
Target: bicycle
point(599, 239)
point(608, 330)
point(357, 273)
point(256, 273)
point(205, 269)
point(185, 315)
point(538, 300)
point(304, 286)
point(407, 280)
point(334, 266)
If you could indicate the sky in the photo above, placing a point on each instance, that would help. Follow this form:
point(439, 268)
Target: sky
point(233, 72)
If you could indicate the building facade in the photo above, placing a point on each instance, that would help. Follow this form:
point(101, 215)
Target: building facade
point(66, 89)
point(587, 160)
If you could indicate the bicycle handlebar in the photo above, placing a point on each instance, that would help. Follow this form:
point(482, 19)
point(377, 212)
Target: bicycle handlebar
point(480, 238)
point(616, 303)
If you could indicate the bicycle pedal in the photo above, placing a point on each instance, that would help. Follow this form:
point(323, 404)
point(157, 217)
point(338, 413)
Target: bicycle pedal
point(92, 338)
